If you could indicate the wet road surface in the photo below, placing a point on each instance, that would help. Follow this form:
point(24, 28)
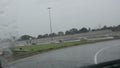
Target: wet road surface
point(72, 57)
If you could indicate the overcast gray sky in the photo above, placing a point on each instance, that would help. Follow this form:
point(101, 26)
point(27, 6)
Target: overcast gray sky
point(31, 16)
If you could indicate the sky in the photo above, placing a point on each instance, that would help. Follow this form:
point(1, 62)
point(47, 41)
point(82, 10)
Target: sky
point(19, 17)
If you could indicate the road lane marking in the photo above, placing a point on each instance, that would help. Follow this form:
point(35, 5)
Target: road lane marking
point(97, 53)
point(95, 57)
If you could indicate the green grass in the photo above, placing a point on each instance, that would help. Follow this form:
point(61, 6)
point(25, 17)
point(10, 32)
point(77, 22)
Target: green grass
point(45, 47)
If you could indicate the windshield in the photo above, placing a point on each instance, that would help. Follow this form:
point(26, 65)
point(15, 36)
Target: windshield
point(58, 33)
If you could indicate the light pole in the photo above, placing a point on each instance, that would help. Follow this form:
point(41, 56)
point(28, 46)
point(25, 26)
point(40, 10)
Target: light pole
point(49, 9)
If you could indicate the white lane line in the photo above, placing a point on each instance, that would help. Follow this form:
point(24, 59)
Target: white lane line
point(96, 55)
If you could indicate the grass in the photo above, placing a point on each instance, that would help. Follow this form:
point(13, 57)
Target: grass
point(44, 47)
point(33, 49)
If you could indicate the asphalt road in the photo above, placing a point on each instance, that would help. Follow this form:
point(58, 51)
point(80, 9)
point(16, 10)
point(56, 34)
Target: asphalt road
point(72, 57)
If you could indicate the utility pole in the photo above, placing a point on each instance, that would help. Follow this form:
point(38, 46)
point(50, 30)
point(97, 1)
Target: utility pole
point(49, 9)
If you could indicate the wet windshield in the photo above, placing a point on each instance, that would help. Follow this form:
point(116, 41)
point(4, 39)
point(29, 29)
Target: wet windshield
point(58, 34)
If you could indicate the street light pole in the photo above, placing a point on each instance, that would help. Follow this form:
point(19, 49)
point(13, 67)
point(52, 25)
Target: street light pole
point(49, 9)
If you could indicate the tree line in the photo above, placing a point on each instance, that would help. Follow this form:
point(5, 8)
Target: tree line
point(70, 32)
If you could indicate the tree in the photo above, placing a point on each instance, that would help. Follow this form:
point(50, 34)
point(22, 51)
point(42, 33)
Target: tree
point(26, 37)
point(40, 36)
point(52, 35)
point(60, 33)
point(45, 35)
point(67, 32)
point(117, 28)
point(83, 30)
point(73, 31)
point(89, 29)
point(104, 27)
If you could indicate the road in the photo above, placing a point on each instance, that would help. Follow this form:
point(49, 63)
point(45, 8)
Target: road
point(72, 57)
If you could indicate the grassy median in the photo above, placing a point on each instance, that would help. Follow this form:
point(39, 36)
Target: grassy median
point(44, 47)
point(24, 51)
